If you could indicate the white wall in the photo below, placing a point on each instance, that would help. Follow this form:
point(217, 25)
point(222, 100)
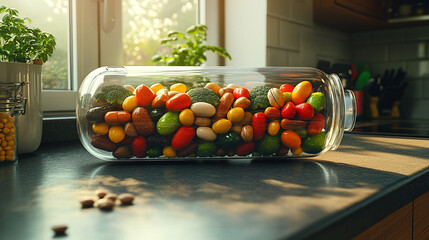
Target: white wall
point(245, 32)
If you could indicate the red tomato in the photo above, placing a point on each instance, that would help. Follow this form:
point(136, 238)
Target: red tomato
point(139, 147)
point(144, 95)
point(316, 124)
point(240, 92)
point(290, 139)
point(286, 88)
point(178, 102)
point(244, 149)
point(304, 111)
point(289, 110)
point(259, 124)
point(272, 113)
point(183, 137)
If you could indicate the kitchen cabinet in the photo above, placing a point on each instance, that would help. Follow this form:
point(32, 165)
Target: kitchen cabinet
point(350, 15)
point(363, 15)
point(409, 222)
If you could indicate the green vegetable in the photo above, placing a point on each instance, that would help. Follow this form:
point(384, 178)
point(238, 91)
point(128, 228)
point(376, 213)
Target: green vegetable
point(258, 99)
point(317, 100)
point(113, 94)
point(190, 49)
point(302, 132)
point(154, 152)
point(314, 144)
point(203, 95)
point(156, 140)
point(19, 43)
point(229, 140)
point(168, 123)
point(268, 145)
point(156, 113)
point(206, 149)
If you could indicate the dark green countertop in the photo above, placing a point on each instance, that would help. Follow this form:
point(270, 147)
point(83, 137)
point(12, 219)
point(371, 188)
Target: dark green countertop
point(333, 196)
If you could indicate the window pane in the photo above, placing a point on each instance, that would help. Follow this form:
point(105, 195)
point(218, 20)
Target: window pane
point(50, 16)
point(145, 22)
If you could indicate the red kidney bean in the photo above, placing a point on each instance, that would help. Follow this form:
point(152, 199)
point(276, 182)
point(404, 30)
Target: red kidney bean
point(259, 124)
point(178, 102)
point(183, 137)
point(245, 148)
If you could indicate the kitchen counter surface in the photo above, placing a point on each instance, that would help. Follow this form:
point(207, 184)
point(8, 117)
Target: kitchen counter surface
point(334, 196)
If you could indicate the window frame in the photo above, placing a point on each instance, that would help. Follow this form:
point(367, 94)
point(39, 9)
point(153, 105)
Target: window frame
point(86, 48)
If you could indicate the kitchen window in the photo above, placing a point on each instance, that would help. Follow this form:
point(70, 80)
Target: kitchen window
point(93, 33)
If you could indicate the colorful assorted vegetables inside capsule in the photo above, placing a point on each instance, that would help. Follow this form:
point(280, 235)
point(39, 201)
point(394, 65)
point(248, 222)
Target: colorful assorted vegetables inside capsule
point(157, 121)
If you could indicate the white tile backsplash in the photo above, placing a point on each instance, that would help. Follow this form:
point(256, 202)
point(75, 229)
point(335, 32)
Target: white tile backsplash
point(413, 90)
point(370, 53)
point(301, 11)
point(425, 88)
point(278, 8)
point(415, 33)
point(416, 109)
point(272, 32)
point(289, 35)
point(418, 69)
point(277, 57)
point(407, 50)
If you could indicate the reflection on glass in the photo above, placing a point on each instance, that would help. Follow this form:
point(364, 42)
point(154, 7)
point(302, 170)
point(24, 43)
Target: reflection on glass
point(146, 22)
point(50, 16)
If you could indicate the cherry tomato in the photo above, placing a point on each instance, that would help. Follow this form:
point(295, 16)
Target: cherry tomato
point(304, 111)
point(301, 92)
point(240, 92)
point(259, 124)
point(286, 88)
point(144, 95)
point(139, 147)
point(290, 139)
point(246, 148)
point(178, 102)
point(316, 124)
point(183, 137)
point(289, 110)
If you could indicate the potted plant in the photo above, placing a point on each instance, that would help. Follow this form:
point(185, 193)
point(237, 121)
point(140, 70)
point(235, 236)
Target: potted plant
point(23, 50)
point(187, 49)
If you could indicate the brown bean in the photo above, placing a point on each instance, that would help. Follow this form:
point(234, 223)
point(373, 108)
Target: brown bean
point(101, 193)
point(242, 102)
point(142, 121)
point(87, 202)
point(105, 204)
point(111, 196)
point(130, 130)
point(59, 229)
point(126, 198)
point(203, 122)
point(123, 152)
point(225, 104)
point(247, 133)
point(103, 142)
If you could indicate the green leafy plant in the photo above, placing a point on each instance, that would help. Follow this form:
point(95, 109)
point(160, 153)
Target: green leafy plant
point(20, 43)
point(187, 49)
